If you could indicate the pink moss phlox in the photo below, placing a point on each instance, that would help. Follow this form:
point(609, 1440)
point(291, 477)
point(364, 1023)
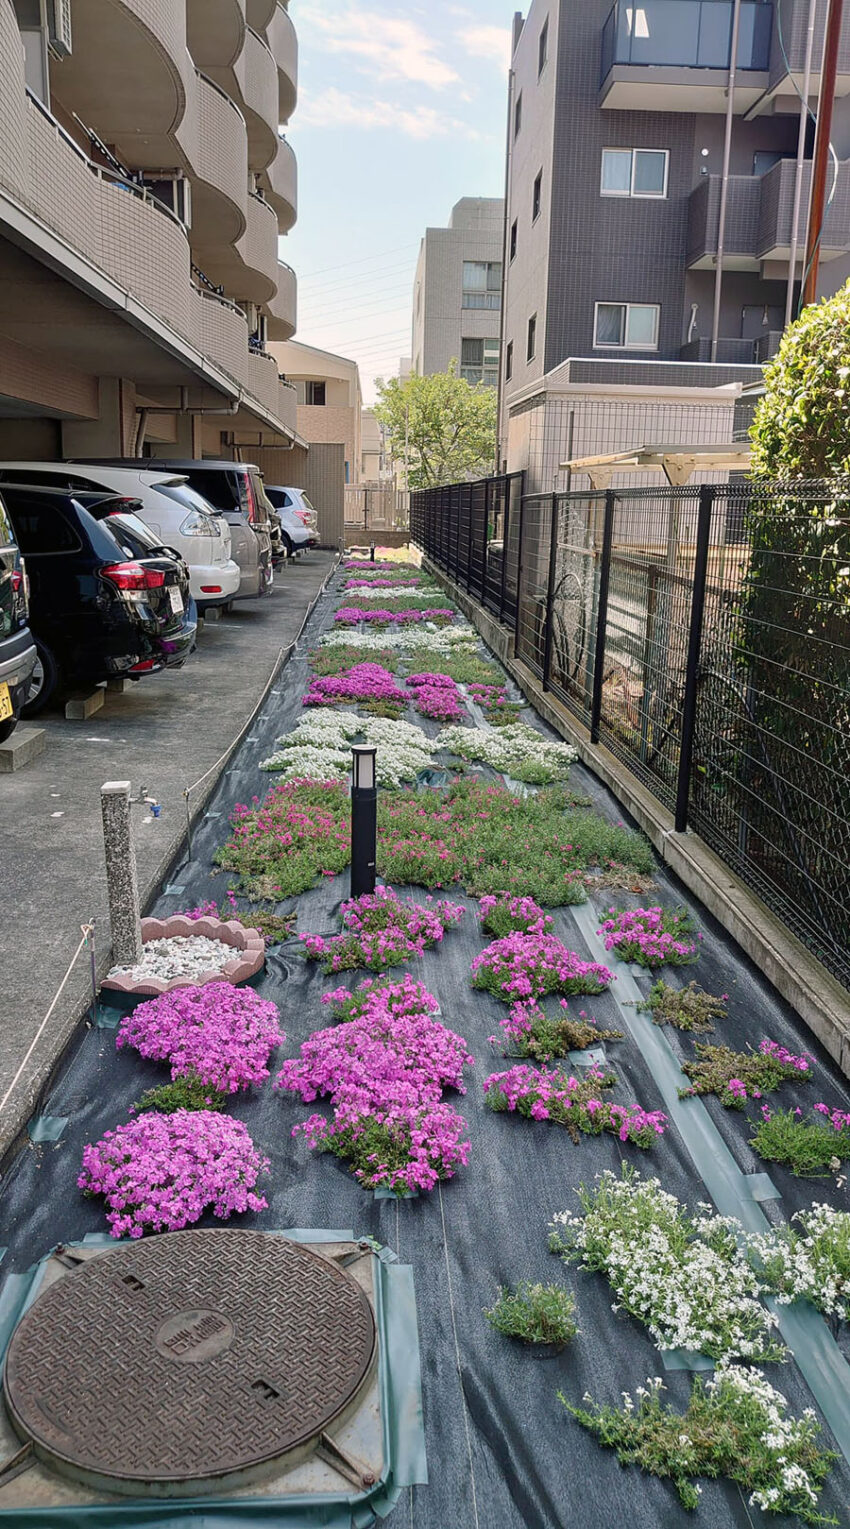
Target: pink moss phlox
point(522, 967)
point(436, 696)
point(364, 682)
point(838, 1119)
point(161, 1172)
point(352, 615)
point(218, 1033)
point(507, 911)
point(651, 936)
point(787, 1058)
point(382, 930)
point(559, 1096)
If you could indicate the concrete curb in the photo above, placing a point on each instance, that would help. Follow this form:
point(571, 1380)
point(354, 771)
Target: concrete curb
point(35, 1084)
point(821, 1002)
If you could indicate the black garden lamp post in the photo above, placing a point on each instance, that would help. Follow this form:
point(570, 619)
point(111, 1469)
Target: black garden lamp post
point(364, 819)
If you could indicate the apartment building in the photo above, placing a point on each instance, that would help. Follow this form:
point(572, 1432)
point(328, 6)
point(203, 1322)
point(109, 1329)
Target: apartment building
point(329, 399)
point(144, 183)
point(457, 294)
point(617, 331)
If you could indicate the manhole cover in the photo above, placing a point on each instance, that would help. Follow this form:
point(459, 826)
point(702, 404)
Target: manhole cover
point(192, 1358)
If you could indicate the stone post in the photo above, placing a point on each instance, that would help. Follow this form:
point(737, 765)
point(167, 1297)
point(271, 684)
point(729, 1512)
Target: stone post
point(121, 882)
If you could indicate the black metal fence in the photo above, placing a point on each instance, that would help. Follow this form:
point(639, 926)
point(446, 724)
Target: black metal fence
point(703, 635)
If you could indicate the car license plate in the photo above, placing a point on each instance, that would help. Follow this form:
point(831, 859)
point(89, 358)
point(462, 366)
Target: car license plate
point(176, 600)
point(5, 703)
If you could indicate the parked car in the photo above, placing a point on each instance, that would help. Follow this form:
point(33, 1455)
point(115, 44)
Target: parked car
point(175, 512)
point(18, 654)
point(234, 490)
point(297, 535)
point(106, 599)
point(294, 499)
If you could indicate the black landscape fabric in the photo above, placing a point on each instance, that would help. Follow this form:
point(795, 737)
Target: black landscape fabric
point(502, 1451)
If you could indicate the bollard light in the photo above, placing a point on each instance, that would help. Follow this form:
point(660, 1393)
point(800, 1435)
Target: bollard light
point(364, 819)
point(372, 553)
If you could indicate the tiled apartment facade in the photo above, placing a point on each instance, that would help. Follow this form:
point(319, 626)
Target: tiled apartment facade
point(457, 292)
point(140, 208)
point(616, 147)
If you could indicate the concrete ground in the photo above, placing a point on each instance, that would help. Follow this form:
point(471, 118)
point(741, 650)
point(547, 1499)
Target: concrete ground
point(164, 733)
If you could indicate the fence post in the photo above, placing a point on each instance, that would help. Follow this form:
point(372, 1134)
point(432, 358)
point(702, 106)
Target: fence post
point(602, 615)
point(469, 547)
point(689, 705)
point(506, 512)
point(519, 551)
point(550, 590)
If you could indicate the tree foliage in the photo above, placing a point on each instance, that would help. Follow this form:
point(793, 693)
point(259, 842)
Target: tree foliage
point(802, 424)
point(448, 425)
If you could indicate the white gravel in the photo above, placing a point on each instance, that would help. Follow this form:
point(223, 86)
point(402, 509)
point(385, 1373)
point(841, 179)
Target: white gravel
point(181, 956)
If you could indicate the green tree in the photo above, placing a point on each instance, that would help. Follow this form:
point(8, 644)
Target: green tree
point(446, 426)
point(802, 424)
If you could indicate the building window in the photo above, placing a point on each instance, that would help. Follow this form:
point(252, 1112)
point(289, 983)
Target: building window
point(513, 238)
point(531, 344)
point(626, 326)
point(314, 393)
point(482, 284)
point(509, 361)
point(543, 48)
point(517, 115)
point(537, 196)
point(635, 172)
point(479, 361)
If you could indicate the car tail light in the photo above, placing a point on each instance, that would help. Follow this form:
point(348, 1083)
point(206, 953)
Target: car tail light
point(196, 524)
point(133, 576)
point(210, 589)
point(247, 497)
point(17, 581)
point(145, 665)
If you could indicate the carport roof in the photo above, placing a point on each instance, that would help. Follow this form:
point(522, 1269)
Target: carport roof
point(678, 463)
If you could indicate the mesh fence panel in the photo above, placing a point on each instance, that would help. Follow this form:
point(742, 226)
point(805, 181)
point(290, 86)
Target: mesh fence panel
point(533, 580)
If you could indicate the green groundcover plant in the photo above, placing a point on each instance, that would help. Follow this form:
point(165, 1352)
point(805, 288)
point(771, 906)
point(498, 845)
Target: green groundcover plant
point(736, 1426)
point(573, 1102)
point(736, 1076)
point(528, 1031)
point(463, 665)
point(281, 846)
point(187, 1093)
point(687, 1008)
point(534, 1313)
point(339, 658)
point(810, 1148)
point(684, 1277)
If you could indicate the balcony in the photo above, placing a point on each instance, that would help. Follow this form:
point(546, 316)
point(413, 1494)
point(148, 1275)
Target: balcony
point(282, 308)
point(730, 352)
point(279, 184)
point(674, 55)
point(283, 42)
point(287, 406)
point(215, 32)
point(255, 73)
point(260, 13)
point(220, 168)
point(759, 210)
point(247, 270)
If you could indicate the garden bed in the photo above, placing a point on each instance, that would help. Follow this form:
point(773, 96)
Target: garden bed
point(503, 1451)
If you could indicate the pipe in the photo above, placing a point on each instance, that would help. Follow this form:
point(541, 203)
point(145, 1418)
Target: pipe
point(821, 159)
point(506, 255)
point(724, 188)
point(801, 156)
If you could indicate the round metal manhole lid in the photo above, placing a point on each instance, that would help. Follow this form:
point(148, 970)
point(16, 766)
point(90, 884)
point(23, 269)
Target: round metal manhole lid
point(188, 1358)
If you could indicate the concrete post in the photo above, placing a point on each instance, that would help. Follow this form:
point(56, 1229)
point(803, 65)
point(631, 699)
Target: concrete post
point(121, 882)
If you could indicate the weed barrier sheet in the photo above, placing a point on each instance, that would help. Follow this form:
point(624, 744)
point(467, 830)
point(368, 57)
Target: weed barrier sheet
point(502, 1451)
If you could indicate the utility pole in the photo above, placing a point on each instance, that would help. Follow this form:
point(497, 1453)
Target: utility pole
point(801, 156)
point(823, 134)
point(724, 184)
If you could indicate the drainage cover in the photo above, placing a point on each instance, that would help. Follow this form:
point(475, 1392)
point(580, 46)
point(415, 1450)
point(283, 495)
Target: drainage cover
point(189, 1361)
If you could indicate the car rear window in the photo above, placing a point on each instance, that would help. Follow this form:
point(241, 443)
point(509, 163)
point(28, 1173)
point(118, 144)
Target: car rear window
point(220, 488)
point(42, 528)
point(133, 534)
point(7, 535)
point(187, 497)
point(308, 505)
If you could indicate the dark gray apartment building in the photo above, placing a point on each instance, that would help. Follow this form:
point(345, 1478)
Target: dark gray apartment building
point(616, 333)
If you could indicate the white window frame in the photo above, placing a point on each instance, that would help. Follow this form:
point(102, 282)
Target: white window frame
point(639, 196)
point(613, 303)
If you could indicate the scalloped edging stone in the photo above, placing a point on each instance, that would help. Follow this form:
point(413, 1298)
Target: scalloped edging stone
point(249, 954)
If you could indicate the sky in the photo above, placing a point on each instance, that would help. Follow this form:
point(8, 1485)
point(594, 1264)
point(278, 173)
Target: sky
point(401, 111)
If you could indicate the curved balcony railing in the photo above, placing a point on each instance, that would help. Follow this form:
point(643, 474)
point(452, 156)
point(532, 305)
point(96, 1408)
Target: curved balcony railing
point(283, 42)
point(256, 76)
point(220, 165)
point(280, 185)
point(686, 34)
point(282, 309)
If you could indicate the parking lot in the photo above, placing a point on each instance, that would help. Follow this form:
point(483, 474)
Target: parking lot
point(163, 733)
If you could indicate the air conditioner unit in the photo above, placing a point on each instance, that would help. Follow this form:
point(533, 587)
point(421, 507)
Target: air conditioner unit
point(59, 27)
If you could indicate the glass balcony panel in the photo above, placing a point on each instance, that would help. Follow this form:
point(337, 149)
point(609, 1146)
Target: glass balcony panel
point(714, 44)
point(685, 34)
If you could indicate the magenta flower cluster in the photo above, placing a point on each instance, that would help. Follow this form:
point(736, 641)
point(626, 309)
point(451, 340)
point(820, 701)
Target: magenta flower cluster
point(651, 936)
point(504, 912)
point(437, 696)
point(363, 682)
point(404, 580)
point(553, 1096)
point(380, 564)
point(785, 1057)
point(382, 930)
point(218, 1033)
point(838, 1119)
point(203, 910)
point(160, 1173)
point(384, 1071)
point(490, 697)
point(352, 615)
point(524, 967)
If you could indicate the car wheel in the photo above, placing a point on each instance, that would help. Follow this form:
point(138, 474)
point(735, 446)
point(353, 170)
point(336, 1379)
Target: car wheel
point(44, 683)
point(7, 728)
point(287, 545)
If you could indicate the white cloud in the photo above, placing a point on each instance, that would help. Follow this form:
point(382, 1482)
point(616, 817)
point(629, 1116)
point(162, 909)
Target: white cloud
point(392, 49)
point(333, 108)
point(487, 42)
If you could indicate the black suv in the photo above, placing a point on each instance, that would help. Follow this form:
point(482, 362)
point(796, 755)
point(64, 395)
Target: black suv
point(107, 600)
point(17, 649)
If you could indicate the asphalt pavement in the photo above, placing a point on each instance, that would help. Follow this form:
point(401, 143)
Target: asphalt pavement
point(164, 733)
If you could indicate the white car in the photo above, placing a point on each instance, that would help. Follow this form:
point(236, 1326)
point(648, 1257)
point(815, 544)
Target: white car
point(285, 498)
point(175, 512)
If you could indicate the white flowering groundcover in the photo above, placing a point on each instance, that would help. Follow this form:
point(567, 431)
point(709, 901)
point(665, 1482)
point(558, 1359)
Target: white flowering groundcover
point(516, 750)
point(442, 640)
point(319, 748)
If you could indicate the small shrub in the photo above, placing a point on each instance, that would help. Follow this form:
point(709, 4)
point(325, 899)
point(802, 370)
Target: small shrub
point(736, 1076)
point(651, 936)
point(188, 1093)
point(688, 1008)
point(534, 1313)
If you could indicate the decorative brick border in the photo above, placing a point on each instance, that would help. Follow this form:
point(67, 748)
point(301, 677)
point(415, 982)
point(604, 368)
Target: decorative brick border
point(248, 945)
